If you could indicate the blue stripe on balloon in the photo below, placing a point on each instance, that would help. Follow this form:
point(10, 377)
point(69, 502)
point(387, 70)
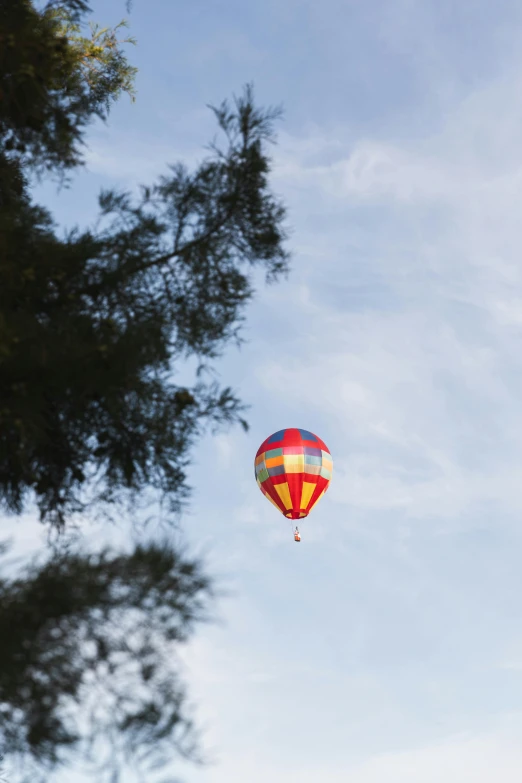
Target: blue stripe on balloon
point(307, 435)
point(276, 436)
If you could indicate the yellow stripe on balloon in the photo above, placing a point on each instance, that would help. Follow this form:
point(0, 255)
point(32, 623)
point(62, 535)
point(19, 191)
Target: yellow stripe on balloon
point(294, 463)
point(271, 500)
point(284, 493)
point(307, 492)
point(294, 468)
point(319, 497)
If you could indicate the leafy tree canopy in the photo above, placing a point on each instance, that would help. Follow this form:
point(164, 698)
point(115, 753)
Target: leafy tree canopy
point(54, 81)
point(87, 660)
point(93, 324)
point(92, 327)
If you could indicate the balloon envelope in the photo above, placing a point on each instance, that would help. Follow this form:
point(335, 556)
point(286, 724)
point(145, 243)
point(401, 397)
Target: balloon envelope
point(293, 470)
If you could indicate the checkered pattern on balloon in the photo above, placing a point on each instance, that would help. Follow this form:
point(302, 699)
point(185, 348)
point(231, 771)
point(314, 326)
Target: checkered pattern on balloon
point(293, 470)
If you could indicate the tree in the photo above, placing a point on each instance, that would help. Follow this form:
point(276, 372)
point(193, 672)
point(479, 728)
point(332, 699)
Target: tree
point(54, 81)
point(88, 657)
point(92, 326)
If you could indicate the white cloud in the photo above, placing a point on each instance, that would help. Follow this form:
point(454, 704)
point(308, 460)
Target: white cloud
point(482, 759)
point(422, 398)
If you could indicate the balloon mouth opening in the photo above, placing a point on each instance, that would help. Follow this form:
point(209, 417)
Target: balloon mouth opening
point(296, 514)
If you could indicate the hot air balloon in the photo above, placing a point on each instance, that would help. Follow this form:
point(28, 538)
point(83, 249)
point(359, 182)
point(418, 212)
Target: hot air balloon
point(293, 470)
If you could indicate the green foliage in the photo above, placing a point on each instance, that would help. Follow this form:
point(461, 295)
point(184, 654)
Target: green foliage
point(91, 326)
point(87, 660)
point(53, 81)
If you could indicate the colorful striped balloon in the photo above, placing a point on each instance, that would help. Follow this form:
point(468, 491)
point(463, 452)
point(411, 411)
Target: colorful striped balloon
point(293, 469)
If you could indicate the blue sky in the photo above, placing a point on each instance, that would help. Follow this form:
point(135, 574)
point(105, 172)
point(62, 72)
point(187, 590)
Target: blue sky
point(388, 645)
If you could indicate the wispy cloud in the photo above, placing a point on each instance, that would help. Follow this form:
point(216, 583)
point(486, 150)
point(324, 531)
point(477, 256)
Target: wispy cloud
point(427, 392)
point(398, 338)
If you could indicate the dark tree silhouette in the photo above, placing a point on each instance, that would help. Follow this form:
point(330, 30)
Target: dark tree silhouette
point(88, 660)
point(92, 327)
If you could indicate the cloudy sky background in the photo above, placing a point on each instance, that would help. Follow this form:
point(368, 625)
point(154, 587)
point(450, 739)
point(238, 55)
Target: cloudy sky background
point(388, 645)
